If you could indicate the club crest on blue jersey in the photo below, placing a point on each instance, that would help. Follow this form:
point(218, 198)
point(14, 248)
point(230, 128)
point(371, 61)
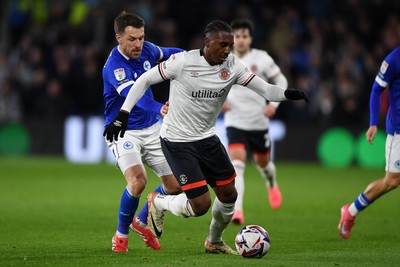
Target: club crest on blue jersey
point(120, 74)
point(224, 74)
point(146, 65)
point(128, 145)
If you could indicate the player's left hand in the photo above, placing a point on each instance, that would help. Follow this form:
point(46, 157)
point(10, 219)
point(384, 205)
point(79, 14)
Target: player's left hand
point(164, 109)
point(269, 111)
point(294, 94)
point(117, 127)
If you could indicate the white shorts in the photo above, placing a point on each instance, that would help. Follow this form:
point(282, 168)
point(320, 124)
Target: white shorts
point(138, 147)
point(393, 153)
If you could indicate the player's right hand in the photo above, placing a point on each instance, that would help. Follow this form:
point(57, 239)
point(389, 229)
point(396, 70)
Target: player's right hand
point(294, 94)
point(117, 127)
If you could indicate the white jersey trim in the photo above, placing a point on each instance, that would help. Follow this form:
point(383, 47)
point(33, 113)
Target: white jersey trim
point(380, 81)
point(123, 86)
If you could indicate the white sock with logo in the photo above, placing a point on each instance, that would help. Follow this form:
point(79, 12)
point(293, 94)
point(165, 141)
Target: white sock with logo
point(221, 216)
point(178, 205)
point(239, 182)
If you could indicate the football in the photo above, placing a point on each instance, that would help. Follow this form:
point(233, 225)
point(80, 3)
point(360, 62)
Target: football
point(252, 241)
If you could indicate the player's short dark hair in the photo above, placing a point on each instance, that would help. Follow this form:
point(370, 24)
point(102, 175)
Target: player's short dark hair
point(217, 26)
point(243, 24)
point(125, 19)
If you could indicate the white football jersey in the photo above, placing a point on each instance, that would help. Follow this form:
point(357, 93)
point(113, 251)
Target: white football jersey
point(247, 107)
point(197, 92)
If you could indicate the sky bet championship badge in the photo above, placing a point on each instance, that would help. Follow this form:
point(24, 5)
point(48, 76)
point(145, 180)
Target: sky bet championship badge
point(119, 74)
point(224, 74)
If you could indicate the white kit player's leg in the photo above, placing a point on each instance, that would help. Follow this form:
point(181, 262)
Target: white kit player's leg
point(269, 174)
point(221, 216)
point(239, 166)
point(178, 205)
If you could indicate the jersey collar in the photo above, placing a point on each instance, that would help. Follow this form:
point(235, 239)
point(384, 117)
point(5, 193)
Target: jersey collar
point(122, 54)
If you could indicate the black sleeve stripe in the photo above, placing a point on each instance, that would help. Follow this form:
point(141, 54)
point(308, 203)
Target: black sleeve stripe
point(248, 80)
point(160, 70)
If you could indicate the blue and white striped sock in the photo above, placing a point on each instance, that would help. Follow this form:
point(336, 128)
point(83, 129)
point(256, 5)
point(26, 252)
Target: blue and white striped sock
point(359, 204)
point(127, 209)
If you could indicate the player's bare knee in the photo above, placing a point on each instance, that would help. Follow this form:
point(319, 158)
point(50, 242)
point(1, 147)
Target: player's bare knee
point(171, 186)
point(173, 190)
point(231, 197)
point(137, 184)
point(226, 194)
point(200, 210)
point(392, 181)
point(200, 205)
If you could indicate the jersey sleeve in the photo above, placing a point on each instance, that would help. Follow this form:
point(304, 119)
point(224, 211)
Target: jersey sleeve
point(247, 79)
point(244, 74)
point(385, 76)
point(387, 70)
point(153, 76)
point(163, 53)
point(374, 103)
point(166, 52)
point(147, 102)
point(120, 77)
point(170, 68)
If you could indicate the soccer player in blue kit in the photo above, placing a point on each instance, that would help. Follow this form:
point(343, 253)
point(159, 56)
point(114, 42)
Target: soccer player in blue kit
point(129, 60)
point(388, 77)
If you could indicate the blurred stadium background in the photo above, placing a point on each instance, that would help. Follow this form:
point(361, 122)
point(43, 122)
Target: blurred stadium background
point(52, 53)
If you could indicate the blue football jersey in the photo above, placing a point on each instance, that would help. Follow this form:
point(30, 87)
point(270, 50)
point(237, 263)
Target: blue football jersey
point(120, 73)
point(388, 77)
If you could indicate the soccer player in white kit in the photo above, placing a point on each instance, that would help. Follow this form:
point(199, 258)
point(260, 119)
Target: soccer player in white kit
point(200, 82)
point(247, 115)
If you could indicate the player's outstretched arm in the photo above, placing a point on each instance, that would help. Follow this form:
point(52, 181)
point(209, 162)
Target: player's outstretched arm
point(294, 94)
point(275, 93)
point(120, 123)
point(139, 88)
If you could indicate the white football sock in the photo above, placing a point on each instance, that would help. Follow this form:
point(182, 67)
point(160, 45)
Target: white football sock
point(239, 182)
point(269, 174)
point(353, 210)
point(178, 205)
point(221, 216)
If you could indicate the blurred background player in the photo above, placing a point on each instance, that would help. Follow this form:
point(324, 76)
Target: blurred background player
point(200, 81)
point(131, 58)
point(388, 77)
point(247, 118)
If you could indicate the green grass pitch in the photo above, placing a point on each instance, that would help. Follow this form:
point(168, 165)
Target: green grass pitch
point(54, 213)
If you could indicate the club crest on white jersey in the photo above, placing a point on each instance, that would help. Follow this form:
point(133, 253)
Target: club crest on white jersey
point(224, 73)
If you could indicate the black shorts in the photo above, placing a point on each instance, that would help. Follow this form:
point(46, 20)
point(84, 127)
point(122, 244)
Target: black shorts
point(196, 164)
point(257, 142)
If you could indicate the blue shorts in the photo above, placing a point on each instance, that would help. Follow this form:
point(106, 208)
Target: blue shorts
point(196, 164)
